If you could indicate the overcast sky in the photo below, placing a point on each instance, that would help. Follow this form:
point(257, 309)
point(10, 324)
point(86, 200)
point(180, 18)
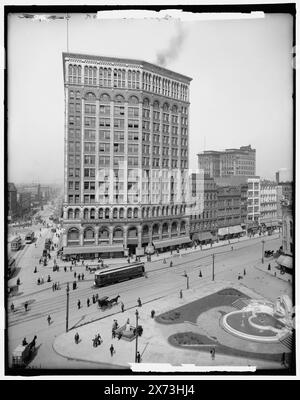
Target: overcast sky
point(241, 91)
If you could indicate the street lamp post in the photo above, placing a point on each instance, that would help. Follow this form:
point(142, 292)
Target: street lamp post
point(213, 267)
point(263, 251)
point(187, 282)
point(136, 334)
point(67, 313)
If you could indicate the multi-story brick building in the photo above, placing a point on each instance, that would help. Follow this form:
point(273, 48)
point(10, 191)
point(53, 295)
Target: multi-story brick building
point(286, 259)
point(203, 225)
point(232, 210)
point(231, 162)
point(126, 156)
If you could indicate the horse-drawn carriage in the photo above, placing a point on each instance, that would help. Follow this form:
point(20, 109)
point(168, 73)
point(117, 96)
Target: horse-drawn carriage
point(105, 302)
point(23, 354)
point(269, 253)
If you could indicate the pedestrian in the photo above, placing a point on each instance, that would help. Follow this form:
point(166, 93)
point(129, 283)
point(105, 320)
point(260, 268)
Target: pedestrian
point(244, 272)
point(71, 268)
point(180, 293)
point(93, 299)
point(53, 287)
point(112, 350)
point(24, 342)
point(78, 277)
point(88, 302)
point(283, 359)
point(200, 274)
point(269, 267)
point(138, 357)
point(212, 353)
point(49, 278)
point(82, 276)
point(65, 269)
point(171, 263)
point(231, 248)
point(99, 339)
point(75, 274)
point(122, 306)
point(78, 304)
point(38, 281)
point(152, 313)
point(113, 333)
point(119, 335)
point(139, 302)
point(49, 319)
point(12, 307)
point(76, 337)
point(18, 281)
point(35, 270)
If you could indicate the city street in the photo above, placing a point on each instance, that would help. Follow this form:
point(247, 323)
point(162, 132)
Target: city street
point(161, 282)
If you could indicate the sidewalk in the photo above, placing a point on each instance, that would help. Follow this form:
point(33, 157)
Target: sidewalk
point(153, 345)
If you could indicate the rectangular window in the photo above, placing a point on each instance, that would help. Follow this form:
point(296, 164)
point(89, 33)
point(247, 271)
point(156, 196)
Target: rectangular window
point(89, 109)
point(119, 110)
point(104, 135)
point(133, 136)
point(118, 147)
point(71, 185)
point(89, 147)
point(133, 112)
point(104, 122)
point(104, 161)
point(133, 124)
point(71, 172)
point(77, 172)
point(104, 147)
point(133, 148)
point(104, 109)
point(119, 123)
point(118, 136)
point(89, 134)
point(71, 159)
point(77, 184)
point(77, 147)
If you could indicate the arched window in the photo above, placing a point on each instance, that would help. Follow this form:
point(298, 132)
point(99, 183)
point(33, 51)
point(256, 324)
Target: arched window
point(119, 98)
point(145, 230)
point(77, 213)
point(115, 213)
point(118, 233)
point(165, 228)
point(86, 213)
point(132, 232)
point(92, 213)
point(156, 104)
point(103, 235)
point(104, 98)
point(136, 213)
point(133, 100)
point(70, 214)
point(90, 96)
point(73, 236)
point(174, 227)
point(166, 107)
point(100, 213)
point(155, 230)
point(121, 213)
point(107, 213)
point(146, 102)
point(153, 212)
point(88, 234)
point(182, 227)
point(129, 213)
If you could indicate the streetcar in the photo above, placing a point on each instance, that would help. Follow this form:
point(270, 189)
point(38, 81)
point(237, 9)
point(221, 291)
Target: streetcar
point(119, 274)
point(16, 243)
point(29, 238)
point(11, 266)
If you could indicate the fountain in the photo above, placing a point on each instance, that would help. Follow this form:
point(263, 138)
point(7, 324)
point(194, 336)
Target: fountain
point(261, 320)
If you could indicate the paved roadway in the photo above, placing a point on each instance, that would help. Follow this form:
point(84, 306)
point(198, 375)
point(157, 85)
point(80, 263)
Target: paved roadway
point(161, 281)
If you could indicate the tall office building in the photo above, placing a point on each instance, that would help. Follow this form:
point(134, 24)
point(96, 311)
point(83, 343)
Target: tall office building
point(231, 162)
point(126, 156)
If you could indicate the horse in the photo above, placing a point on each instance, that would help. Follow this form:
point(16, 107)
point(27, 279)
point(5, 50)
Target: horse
point(114, 300)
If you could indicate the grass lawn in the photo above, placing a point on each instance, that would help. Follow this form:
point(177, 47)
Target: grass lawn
point(191, 311)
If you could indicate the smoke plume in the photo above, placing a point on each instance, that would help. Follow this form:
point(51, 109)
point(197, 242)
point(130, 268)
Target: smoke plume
point(164, 57)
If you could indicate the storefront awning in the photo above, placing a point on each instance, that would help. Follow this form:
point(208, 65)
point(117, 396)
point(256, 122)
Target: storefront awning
point(223, 231)
point(235, 229)
point(202, 236)
point(171, 242)
point(285, 261)
point(92, 249)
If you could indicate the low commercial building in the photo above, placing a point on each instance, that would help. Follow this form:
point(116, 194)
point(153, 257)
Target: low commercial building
point(12, 201)
point(286, 259)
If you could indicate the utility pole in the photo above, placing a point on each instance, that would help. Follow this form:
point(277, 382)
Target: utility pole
point(136, 334)
point(263, 251)
point(187, 282)
point(67, 313)
point(213, 267)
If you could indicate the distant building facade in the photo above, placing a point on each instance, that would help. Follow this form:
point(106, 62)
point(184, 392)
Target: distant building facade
point(268, 204)
point(231, 162)
point(24, 202)
point(284, 175)
point(12, 201)
point(126, 156)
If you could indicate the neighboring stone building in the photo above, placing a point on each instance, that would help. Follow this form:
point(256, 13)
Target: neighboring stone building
point(24, 203)
point(288, 244)
point(12, 202)
point(231, 162)
point(285, 192)
point(126, 156)
point(268, 205)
